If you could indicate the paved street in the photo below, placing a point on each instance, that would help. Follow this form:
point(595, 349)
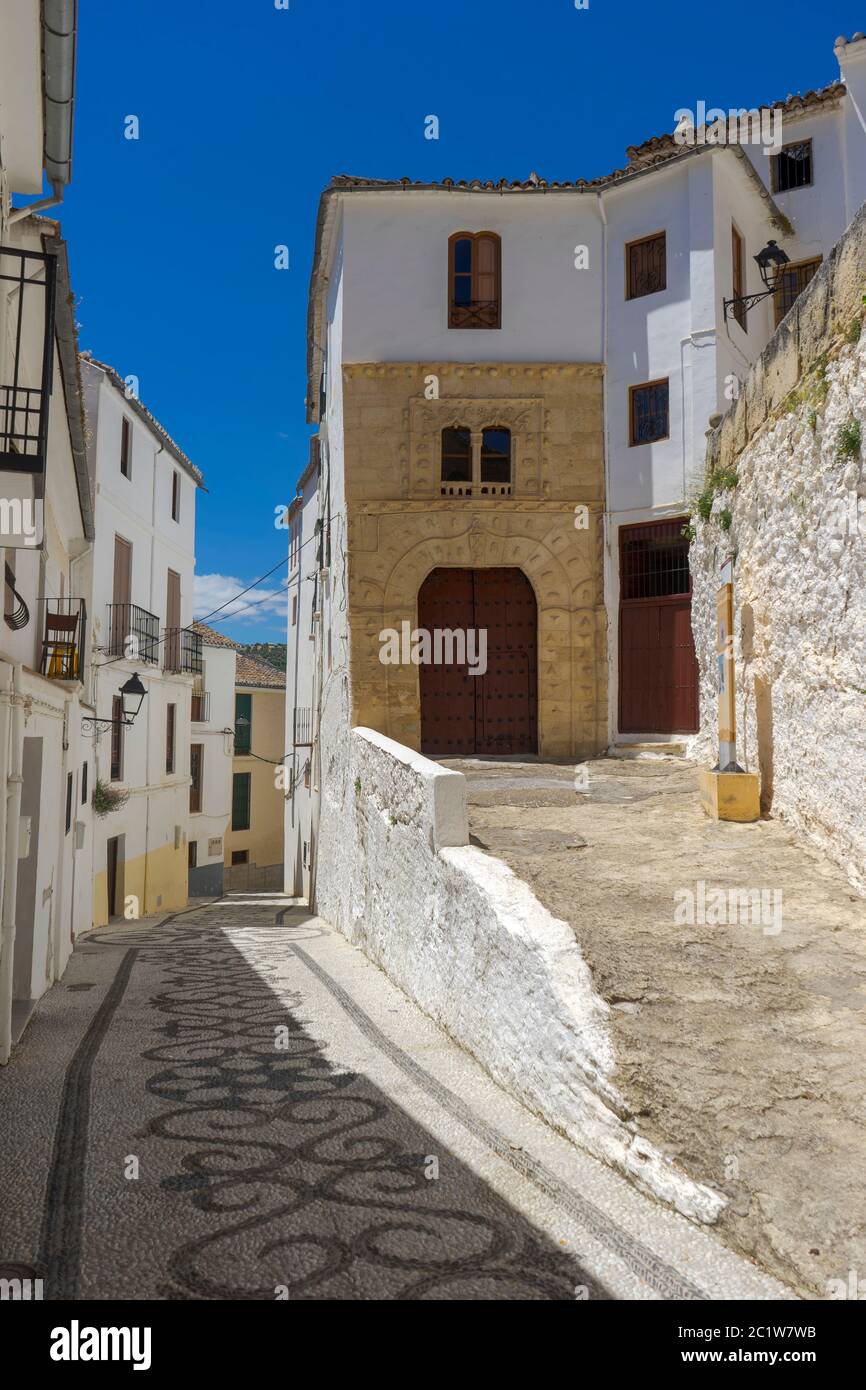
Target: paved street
point(741, 1049)
point(234, 1103)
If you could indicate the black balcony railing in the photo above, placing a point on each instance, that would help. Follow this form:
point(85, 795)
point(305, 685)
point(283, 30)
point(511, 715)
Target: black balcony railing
point(63, 635)
point(182, 651)
point(200, 712)
point(30, 335)
point(133, 632)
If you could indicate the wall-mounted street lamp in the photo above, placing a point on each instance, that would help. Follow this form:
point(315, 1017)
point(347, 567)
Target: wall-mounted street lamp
point(132, 693)
point(771, 263)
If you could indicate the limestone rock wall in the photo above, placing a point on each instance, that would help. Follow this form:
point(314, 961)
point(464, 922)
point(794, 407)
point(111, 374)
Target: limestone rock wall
point(798, 534)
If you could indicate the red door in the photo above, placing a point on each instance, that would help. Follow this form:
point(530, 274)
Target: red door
point(658, 670)
point(495, 713)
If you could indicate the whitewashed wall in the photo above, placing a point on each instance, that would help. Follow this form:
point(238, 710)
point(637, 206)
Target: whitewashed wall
point(799, 536)
point(469, 942)
point(212, 821)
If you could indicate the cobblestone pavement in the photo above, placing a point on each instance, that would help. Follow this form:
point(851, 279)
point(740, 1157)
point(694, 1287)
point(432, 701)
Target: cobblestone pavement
point(233, 1103)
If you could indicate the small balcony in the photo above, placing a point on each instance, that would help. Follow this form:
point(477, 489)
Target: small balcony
point(133, 633)
point(63, 634)
point(27, 287)
point(200, 712)
point(182, 652)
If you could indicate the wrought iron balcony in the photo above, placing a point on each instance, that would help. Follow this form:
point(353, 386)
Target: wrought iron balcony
point(182, 654)
point(133, 632)
point(474, 313)
point(63, 638)
point(200, 712)
point(27, 284)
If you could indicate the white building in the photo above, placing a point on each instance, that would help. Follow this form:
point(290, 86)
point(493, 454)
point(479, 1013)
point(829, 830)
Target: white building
point(46, 529)
point(307, 561)
point(630, 273)
point(213, 719)
point(143, 565)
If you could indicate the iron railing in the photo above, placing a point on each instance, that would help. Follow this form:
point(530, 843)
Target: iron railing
point(63, 638)
point(30, 334)
point(303, 725)
point(182, 651)
point(474, 313)
point(133, 632)
point(15, 611)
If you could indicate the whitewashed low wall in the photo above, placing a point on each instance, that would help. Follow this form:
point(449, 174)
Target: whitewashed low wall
point(470, 943)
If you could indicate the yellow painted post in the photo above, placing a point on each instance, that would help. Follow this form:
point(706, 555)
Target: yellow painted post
point(728, 793)
point(727, 688)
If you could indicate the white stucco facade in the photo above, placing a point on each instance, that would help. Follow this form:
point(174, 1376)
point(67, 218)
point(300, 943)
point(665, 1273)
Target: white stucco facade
point(45, 813)
point(214, 736)
point(149, 504)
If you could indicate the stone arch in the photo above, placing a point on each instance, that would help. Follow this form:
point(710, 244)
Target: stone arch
point(480, 545)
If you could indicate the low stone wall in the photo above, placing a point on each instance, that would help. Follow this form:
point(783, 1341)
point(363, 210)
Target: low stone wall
point(470, 943)
point(798, 534)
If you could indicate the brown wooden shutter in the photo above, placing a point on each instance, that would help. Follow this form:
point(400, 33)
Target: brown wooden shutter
point(487, 271)
point(125, 449)
point(122, 570)
point(739, 279)
point(170, 722)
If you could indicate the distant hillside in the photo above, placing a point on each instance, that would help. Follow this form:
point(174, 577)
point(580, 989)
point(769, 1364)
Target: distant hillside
point(274, 653)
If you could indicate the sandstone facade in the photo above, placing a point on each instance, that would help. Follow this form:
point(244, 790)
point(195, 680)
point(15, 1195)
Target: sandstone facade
point(401, 527)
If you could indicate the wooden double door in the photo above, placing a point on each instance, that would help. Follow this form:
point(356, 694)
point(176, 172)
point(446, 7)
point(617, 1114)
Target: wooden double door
point(658, 669)
point(494, 713)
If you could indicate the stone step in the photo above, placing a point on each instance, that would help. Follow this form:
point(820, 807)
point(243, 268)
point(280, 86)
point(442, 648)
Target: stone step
point(647, 750)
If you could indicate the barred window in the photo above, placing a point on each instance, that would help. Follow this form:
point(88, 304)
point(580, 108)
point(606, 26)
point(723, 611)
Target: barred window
point(650, 414)
point(646, 266)
point(793, 280)
point(792, 167)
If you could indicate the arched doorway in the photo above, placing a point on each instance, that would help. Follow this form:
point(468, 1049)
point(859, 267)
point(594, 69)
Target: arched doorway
point(494, 713)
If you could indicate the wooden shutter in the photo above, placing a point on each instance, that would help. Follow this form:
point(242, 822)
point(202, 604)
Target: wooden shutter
point(487, 270)
point(196, 759)
point(126, 449)
point(122, 570)
point(739, 276)
point(646, 266)
point(175, 497)
point(117, 739)
point(241, 801)
point(170, 729)
point(243, 732)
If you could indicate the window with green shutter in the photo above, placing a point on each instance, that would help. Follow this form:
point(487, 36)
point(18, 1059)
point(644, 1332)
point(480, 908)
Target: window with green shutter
point(243, 723)
point(241, 801)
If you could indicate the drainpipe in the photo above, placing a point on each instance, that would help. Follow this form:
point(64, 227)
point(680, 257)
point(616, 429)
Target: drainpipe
point(59, 25)
point(13, 720)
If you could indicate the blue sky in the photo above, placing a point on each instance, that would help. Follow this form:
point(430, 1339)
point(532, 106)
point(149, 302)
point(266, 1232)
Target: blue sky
point(245, 113)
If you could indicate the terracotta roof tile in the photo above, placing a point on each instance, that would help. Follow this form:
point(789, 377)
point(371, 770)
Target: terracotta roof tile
point(251, 671)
